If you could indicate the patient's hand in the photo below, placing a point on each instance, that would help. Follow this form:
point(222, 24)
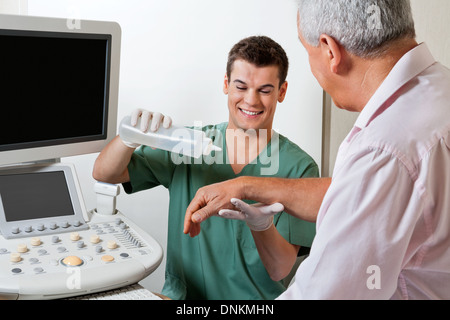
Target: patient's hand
point(208, 202)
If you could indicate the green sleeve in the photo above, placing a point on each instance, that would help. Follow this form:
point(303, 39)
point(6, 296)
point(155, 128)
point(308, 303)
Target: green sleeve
point(149, 168)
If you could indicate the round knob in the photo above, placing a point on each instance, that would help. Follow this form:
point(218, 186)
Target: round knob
point(55, 239)
point(107, 258)
point(15, 257)
point(72, 261)
point(95, 238)
point(35, 241)
point(74, 236)
point(38, 270)
point(112, 244)
point(22, 248)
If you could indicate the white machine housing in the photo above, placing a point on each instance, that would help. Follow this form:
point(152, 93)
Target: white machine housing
point(110, 250)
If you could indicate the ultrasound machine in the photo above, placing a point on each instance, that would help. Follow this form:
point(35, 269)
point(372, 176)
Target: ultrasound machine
point(59, 86)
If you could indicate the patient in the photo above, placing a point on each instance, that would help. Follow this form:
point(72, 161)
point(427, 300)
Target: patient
point(228, 260)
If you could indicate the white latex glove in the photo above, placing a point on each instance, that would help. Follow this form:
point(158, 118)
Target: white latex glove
point(149, 120)
point(258, 216)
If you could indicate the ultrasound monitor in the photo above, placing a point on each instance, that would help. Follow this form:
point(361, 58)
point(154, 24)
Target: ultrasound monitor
point(59, 87)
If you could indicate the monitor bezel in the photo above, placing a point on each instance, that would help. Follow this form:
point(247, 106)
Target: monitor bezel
point(72, 147)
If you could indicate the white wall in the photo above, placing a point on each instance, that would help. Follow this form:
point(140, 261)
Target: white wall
point(173, 60)
point(431, 21)
point(14, 6)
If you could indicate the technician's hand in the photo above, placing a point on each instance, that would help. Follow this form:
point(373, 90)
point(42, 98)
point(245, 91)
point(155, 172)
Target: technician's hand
point(149, 120)
point(259, 217)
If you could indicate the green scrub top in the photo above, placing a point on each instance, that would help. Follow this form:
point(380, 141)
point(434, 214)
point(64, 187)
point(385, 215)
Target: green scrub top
point(221, 263)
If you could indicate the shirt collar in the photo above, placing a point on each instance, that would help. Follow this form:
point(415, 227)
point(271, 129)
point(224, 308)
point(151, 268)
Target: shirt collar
point(409, 66)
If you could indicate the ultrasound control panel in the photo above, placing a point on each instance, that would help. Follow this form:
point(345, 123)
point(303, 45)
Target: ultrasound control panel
point(44, 255)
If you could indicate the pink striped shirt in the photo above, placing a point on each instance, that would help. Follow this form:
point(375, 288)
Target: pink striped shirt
point(383, 231)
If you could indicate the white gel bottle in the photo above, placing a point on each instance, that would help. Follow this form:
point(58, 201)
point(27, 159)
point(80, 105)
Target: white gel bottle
point(181, 140)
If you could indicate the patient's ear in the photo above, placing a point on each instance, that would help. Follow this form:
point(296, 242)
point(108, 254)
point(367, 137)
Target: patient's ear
point(331, 52)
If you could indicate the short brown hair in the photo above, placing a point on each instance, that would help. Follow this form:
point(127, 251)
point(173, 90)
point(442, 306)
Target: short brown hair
point(261, 51)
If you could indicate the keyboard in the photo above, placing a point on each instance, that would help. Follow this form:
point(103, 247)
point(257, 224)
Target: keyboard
point(131, 292)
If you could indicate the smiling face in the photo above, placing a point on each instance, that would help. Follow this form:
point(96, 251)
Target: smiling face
point(253, 93)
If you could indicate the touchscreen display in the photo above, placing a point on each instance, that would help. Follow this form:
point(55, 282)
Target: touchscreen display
point(35, 196)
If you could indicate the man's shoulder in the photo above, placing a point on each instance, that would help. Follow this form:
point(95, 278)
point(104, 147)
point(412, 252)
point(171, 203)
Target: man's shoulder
point(293, 158)
point(290, 149)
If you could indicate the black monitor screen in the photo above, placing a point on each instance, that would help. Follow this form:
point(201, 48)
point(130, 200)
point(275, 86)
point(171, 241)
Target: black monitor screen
point(35, 196)
point(53, 88)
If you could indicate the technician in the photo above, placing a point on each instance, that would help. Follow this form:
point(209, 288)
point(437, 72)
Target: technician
point(228, 260)
point(383, 221)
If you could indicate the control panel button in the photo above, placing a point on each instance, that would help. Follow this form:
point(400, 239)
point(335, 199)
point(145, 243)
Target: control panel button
point(107, 258)
point(95, 238)
point(38, 270)
point(74, 236)
point(72, 261)
point(53, 262)
point(16, 270)
point(15, 257)
point(22, 248)
point(112, 244)
point(35, 241)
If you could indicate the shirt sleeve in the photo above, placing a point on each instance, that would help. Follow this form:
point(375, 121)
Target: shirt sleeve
point(149, 168)
point(364, 228)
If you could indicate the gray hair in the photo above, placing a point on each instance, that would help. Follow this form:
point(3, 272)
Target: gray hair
point(362, 27)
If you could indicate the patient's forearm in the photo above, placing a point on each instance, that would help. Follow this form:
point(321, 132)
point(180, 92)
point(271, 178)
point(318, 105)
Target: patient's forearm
point(301, 197)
